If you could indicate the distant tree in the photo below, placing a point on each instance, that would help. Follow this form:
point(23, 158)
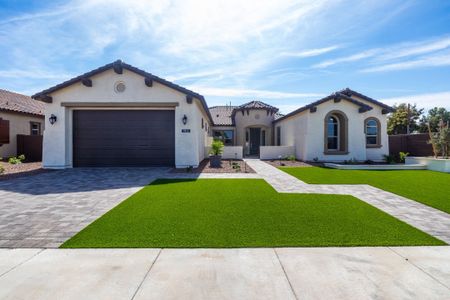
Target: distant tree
point(435, 115)
point(398, 120)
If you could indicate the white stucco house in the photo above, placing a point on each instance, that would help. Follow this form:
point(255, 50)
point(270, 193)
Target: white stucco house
point(119, 115)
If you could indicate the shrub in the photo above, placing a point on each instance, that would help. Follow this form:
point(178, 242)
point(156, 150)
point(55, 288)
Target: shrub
point(352, 161)
point(16, 160)
point(390, 159)
point(216, 147)
point(402, 156)
point(290, 157)
point(2, 169)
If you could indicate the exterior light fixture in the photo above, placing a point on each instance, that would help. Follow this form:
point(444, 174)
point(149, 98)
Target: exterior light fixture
point(184, 119)
point(52, 119)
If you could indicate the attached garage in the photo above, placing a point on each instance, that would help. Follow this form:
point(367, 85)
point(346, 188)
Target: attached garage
point(118, 115)
point(123, 138)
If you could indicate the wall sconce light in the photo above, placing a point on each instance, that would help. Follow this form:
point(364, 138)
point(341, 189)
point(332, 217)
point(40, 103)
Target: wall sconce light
point(52, 119)
point(184, 119)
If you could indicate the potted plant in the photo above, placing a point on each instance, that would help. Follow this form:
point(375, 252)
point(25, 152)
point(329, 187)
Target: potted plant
point(215, 158)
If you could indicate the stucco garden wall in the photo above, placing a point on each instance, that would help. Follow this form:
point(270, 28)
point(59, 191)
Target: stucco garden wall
point(275, 152)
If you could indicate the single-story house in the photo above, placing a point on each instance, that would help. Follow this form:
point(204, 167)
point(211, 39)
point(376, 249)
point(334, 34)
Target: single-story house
point(19, 114)
point(119, 115)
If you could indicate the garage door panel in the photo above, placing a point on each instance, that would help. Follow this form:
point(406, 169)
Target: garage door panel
point(124, 138)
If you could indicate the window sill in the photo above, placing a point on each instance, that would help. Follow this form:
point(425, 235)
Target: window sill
point(335, 152)
point(373, 146)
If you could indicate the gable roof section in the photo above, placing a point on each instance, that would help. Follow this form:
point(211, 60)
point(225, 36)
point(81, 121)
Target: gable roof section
point(350, 92)
point(118, 64)
point(10, 101)
point(336, 97)
point(222, 115)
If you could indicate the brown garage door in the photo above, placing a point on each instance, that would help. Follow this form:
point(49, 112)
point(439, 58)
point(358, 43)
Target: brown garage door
point(123, 138)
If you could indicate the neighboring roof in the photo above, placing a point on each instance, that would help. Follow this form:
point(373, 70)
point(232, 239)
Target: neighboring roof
point(224, 115)
point(277, 116)
point(343, 94)
point(121, 64)
point(221, 115)
point(15, 102)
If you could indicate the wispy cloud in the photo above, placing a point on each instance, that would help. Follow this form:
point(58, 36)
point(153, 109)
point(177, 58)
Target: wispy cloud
point(397, 57)
point(438, 60)
point(250, 93)
point(311, 52)
point(33, 74)
point(350, 58)
point(426, 101)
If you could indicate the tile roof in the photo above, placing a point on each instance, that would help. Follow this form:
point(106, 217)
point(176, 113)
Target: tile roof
point(221, 115)
point(257, 105)
point(20, 103)
point(277, 115)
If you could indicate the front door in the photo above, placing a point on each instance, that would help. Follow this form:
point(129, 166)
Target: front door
point(255, 140)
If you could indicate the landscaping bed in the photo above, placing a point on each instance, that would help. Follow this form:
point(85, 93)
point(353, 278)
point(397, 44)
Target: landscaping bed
point(428, 187)
point(228, 166)
point(20, 170)
point(210, 213)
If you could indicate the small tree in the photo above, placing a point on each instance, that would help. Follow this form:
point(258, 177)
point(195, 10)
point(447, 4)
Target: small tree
point(404, 115)
point(216, 147)
point(440, 140)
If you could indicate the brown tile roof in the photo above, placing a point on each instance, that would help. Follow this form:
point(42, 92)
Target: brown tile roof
point(257, 105)
point(221, 115)
point(11, 101)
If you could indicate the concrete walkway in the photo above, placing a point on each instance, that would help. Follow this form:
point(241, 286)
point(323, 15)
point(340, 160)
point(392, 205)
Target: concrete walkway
point(425, 218)
point(263, 273)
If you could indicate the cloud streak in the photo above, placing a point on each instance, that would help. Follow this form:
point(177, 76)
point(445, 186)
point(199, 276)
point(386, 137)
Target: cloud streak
point(426, 101)
point(311, 52)
point(250, 93)
point(402, 56)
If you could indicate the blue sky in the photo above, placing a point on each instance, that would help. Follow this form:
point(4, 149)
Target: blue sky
point(283, 52)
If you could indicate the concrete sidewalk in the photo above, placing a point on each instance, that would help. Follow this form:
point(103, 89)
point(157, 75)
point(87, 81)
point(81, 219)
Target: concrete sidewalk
point(263, 273)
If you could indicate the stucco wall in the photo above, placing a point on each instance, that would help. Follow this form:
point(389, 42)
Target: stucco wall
point(57, 152)
point(275, 152)
point(18, 124)
point(293, 133)
point(306, 132)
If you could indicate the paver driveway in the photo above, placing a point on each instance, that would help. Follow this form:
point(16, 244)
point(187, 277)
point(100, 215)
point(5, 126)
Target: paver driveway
point(46, 209)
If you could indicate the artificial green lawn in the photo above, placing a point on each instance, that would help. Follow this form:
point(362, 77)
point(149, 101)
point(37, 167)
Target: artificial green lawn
point(428, 187)
point(242, 213)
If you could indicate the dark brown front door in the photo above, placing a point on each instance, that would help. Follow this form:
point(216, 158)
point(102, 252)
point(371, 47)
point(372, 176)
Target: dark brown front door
point(123, 138)
point(255, 140)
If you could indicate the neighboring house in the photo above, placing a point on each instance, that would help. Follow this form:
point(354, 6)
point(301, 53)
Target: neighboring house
point(19, 114)
point(119, 115)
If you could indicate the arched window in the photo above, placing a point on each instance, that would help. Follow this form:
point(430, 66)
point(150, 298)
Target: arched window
point(372, 130)
point(335, 133)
